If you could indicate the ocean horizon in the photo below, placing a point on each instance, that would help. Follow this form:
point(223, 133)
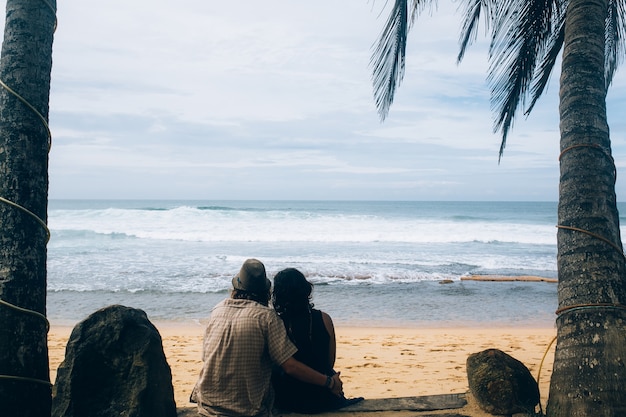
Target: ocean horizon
point(373, 263)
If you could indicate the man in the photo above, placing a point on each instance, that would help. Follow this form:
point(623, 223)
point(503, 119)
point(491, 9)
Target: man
point(244, 340)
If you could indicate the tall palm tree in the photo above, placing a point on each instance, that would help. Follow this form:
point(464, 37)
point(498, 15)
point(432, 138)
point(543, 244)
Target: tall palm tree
point(25, 68)
point(589, 373)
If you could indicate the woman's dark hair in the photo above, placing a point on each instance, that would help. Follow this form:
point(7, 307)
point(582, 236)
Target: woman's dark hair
point(292, 301)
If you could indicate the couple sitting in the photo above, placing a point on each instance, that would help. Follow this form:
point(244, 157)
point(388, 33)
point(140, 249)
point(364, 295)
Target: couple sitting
point(250, 349)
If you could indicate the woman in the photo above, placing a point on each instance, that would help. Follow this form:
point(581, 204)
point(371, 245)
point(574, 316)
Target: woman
point(313, 333)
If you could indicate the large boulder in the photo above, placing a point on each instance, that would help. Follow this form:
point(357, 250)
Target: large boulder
point(114, 366)
point(501, 384)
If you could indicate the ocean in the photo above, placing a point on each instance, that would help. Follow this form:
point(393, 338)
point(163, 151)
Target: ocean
point(373, 263)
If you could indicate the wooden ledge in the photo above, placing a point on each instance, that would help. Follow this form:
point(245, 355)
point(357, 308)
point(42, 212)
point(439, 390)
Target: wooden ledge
point(414, 404)
point(503, 278)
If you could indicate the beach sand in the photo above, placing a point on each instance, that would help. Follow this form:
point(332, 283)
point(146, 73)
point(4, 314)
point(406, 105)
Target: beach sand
point(374, 362)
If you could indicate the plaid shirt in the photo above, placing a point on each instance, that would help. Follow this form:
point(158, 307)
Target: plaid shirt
point(242, 342)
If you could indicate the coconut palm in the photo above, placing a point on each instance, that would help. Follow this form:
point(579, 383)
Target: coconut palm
point(25, 67)
point(527, 36)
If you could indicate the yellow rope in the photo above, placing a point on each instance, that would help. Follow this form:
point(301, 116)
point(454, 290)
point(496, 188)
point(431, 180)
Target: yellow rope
point(539, 371)
point(597, 236)
point(593, 146)
point(45, 123)
point(25, 379)
point(41, 222)
point(589, 306)
point(30, 106)
point(587, 145)
point(27, 311)
point(566, 309)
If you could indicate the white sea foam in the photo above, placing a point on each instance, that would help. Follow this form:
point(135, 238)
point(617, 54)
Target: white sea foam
point(173, 256)
point(192, 224)
point(177, 247)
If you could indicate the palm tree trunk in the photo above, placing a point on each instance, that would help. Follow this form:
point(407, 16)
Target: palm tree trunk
point(25, 67)
point(589, 373)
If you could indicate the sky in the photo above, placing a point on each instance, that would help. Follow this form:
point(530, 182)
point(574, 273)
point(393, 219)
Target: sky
point(197, 99)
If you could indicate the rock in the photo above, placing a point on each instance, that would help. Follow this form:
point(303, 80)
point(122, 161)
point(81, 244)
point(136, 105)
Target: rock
point(501, 384)
point(114, 366)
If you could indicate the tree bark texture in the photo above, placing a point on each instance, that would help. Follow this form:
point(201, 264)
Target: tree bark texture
point(25, 67)
point(589, 375)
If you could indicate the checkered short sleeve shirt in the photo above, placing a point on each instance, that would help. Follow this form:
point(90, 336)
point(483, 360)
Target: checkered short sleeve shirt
point(242, 343)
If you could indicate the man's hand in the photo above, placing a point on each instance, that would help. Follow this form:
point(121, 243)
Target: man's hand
point(300, 371)
point(336, 387)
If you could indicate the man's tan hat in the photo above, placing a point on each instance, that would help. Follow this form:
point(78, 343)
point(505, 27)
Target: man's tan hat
point(252, 277)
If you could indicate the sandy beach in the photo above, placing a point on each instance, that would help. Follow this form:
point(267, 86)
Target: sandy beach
point(374, 362)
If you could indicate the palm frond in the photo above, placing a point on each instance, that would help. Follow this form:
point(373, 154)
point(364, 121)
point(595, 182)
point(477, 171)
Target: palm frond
point(389, 56)
point(472, 11)
point(522, 31)
point(542, 75)
point(614, 38)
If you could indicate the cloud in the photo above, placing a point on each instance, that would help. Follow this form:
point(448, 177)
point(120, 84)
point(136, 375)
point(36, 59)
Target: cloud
point(197, 99)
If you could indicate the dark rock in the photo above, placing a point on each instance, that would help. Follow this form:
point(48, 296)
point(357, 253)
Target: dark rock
point(114, 366)
point(501, 384)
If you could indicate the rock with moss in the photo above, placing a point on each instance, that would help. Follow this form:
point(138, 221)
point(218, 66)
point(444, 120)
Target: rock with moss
point(114, 366)
point(501, 384)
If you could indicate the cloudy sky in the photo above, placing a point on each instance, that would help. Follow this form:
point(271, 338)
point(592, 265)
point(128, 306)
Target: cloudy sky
point(197, 99)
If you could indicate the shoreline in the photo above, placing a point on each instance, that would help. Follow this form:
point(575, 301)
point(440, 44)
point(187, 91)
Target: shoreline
point(375, 362)
point(401, 304)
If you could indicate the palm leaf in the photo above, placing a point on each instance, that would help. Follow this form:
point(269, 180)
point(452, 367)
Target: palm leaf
point(472, 13)
point(388, 58)
point(522, 31)
point(552, 50)
point(614, 36)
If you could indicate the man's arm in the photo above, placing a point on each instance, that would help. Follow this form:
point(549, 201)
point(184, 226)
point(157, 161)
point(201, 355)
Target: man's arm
point(303, 373)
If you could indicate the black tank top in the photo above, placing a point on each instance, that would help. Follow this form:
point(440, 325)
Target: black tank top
point(312, 340)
